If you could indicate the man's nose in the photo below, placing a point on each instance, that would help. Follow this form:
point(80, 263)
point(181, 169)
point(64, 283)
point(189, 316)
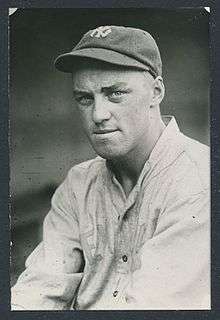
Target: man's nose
point(100, 110)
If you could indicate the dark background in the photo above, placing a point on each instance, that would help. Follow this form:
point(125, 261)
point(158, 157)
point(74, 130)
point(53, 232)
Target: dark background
point(45, 134)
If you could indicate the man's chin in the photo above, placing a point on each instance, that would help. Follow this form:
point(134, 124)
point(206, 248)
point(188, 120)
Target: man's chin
point(109, 148)
point(108, 154)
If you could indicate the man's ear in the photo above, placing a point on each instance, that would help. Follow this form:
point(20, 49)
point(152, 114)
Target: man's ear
point(159, 91)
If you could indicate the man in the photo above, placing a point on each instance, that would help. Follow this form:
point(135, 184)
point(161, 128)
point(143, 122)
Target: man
point(130, 228)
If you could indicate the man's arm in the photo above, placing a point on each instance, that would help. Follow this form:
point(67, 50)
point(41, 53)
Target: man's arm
point(175, 262)
point(54, 269)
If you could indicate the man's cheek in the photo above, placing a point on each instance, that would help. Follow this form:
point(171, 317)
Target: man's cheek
point(86, 123)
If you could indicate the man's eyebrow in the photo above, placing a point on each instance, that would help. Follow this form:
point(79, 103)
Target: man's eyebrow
point(114, 86)
point(78, 91)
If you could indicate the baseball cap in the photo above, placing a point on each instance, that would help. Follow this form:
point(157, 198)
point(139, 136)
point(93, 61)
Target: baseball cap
point(118, 45)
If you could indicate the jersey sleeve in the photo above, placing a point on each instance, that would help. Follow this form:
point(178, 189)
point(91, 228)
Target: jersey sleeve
point(55, 268)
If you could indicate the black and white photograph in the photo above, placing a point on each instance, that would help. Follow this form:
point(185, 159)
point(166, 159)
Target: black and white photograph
point(109, 137)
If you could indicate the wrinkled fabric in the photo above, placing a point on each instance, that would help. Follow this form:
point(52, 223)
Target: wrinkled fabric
point(103, 250)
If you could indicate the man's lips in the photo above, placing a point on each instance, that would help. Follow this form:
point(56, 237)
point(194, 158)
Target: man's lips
point(104, 131)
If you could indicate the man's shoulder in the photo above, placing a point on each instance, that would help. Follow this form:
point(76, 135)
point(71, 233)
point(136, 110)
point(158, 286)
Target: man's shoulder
point(189, 174)
point(197, 156)
point(196, 149)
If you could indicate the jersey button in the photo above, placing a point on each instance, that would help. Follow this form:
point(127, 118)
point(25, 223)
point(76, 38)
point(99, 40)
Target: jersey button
point(115, 293)
point(125, 258)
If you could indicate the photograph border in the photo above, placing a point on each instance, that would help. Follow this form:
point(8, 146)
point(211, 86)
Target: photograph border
point(5, 312)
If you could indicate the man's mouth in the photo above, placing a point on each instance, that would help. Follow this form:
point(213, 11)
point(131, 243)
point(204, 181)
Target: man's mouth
point(104, 131)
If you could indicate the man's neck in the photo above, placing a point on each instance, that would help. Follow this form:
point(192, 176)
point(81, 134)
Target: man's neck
point(128, 168)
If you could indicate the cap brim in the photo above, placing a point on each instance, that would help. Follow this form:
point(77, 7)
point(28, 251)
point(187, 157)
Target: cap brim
point(67, 61)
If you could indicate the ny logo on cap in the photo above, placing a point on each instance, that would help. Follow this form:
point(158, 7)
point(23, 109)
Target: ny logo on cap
point(101, 32)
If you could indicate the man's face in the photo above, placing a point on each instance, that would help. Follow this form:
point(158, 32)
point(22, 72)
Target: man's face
point(114, 106)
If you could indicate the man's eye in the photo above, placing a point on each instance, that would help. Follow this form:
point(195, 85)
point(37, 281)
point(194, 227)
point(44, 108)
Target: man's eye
point(117, 94)
point(84, 100)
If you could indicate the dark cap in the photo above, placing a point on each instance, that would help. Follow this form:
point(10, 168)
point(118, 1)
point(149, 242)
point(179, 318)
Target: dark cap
point(123, 46)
